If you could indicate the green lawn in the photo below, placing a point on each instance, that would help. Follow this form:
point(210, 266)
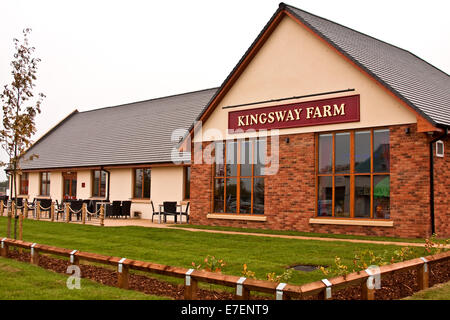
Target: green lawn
point(24, 281)
point(299, 233)
point(438, 292)
point(179, 247)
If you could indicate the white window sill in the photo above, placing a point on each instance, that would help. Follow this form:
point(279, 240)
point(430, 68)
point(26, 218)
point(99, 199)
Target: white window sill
point(236, 217)
point(352, 222)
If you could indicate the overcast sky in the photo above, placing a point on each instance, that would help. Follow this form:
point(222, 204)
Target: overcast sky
point(104, 53)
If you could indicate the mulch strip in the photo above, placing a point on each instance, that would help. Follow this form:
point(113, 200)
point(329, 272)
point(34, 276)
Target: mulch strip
point(397, 285)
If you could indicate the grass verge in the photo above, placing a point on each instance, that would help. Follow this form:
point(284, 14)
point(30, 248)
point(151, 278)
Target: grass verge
point(177, 247)
point(23, 281)
point(437, 292)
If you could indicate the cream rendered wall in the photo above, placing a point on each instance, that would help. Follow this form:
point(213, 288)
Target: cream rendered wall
point(121, 184)
point(85, 177)
point(293, 62)
point(33, 185)
point(56, 185)
point(166, 185)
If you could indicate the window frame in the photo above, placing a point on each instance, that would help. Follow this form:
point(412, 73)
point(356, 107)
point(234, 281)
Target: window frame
point(141, 196)
point(237, 177)
point(41, 176)
point(100, 195)
point(351, 173)
point(187, 182)
point(21, 183)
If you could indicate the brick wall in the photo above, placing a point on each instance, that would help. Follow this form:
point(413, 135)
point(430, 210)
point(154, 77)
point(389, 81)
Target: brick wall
point(442, 191)
point(290, 194)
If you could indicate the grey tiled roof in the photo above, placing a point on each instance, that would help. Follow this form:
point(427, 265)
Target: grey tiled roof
point(416, 82)
point(133, 133)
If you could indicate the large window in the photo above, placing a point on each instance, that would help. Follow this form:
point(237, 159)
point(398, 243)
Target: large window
point(45, 184)
point(239, 176)
point(99, 183)
point(187, 183)
point(142, 183)
point(23, 183)
point(353, 174)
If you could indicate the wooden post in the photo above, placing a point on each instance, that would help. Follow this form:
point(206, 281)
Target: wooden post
point(74, 259)
point(20, 227)
point(83, 213)
point(34, 255)
point(366, 293)
point(190, 286)
point(123, 275)
point(423, 276)
point(4, 250)
point(2, 207)
point(102, 215)
point(38, 210)
point(25, 210)
point(52, 211)
point(245, 294)
point(67, 212)
point(242, 293)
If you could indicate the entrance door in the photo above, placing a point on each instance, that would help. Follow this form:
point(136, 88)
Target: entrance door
point(70, 185)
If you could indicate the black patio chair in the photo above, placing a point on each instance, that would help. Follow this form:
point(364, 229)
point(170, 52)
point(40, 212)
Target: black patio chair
point(59, 210)
point(116, 209)
point(126, 206)
point(185, 213)
point(46, 206)
point(170, 209)
point(76, 206)
point(108, 210)
point(153, 210)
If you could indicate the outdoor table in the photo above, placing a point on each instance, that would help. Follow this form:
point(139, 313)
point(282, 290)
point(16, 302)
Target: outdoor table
point(178, 206)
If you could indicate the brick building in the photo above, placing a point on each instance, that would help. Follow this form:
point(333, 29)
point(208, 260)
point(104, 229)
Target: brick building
point(321, 128)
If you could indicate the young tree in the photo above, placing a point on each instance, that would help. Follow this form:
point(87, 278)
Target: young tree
point(20, 107)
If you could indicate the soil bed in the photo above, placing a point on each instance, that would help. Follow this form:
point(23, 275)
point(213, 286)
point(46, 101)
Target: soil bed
point(393, 286)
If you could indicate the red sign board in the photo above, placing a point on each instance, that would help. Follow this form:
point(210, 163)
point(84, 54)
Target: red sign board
point(302, 114)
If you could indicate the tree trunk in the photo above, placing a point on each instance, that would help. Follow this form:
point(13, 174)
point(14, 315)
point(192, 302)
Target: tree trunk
point(15, 206)
point(8, 212)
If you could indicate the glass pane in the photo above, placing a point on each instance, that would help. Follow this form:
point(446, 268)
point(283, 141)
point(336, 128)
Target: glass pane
point(220, 159)
point(74, 188)
point(381, 197)
point(218, 195)
point(95, 190)
point(258, 195)
point(362, 196)
point(138, 183)
point(362, 152)
point(231, 160)
point(245, 202)
point(246, 158)
point(147, 183)
point(381, 151)
point(103, 184)
point(325, 153)
point(342, 152)
point(342, 196)
point(231, 194)
point(325, 200)
point(66, 187)
point(259, 155)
